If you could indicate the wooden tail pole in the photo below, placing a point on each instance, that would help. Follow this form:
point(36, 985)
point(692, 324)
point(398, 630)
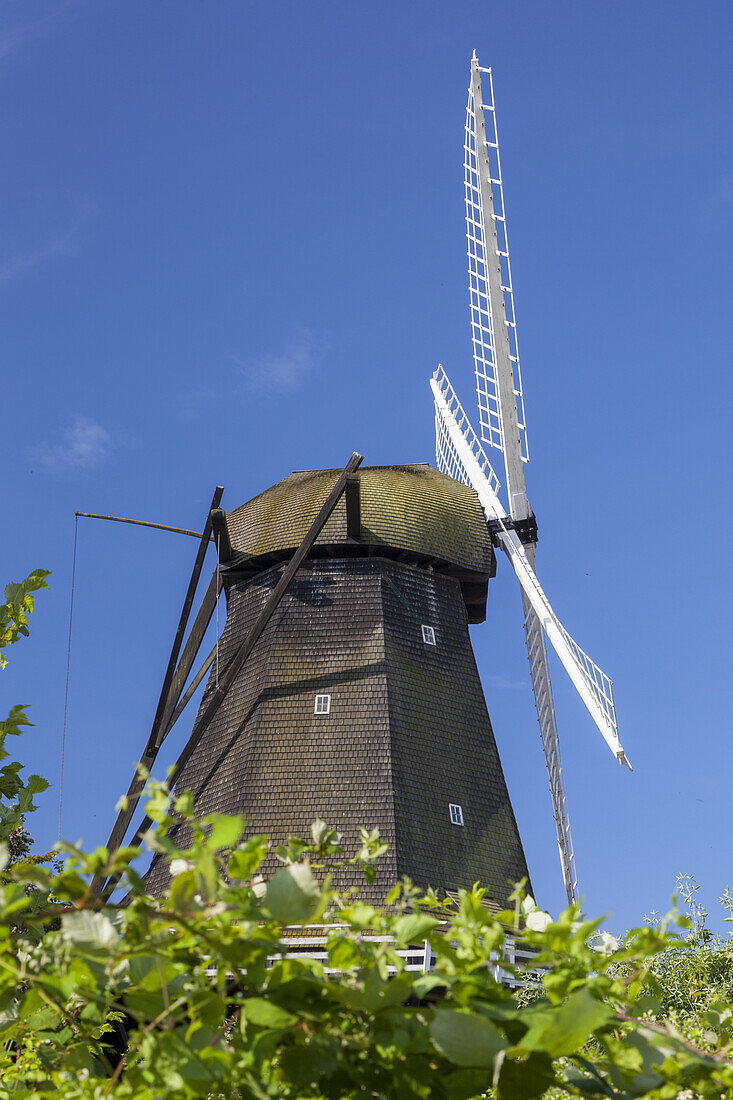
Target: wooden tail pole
point(234, 667)
point(142, 523)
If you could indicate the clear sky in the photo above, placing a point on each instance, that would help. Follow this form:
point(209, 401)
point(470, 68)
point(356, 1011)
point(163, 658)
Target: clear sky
point(231, 245)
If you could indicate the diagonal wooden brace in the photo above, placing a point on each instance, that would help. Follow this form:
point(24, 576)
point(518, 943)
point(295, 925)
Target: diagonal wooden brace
point(173, 681)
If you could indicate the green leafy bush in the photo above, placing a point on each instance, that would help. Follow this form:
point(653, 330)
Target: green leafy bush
point(193, 993)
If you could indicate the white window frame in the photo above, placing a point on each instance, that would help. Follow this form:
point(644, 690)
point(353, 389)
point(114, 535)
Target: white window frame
point(320, 708)
point(428, 634)
point(456, 813)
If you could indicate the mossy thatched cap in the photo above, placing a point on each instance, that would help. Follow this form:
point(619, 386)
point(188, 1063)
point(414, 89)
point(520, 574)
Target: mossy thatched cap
point(414, 509)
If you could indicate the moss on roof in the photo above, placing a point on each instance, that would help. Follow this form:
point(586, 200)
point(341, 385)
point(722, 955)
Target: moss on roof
point(413, 508)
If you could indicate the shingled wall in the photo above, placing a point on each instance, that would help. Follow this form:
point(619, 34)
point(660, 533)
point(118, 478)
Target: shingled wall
point(442, 745)
point(407, 733)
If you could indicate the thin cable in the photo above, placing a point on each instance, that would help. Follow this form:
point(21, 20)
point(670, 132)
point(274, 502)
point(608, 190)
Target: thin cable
point(218, 536)
point(68, 666)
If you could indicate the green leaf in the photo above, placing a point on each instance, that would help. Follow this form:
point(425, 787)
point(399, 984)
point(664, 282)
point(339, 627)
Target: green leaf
point(306, 1064)
point(183, 890)
point(246, 859)
point(16, 720)
point(13, 899)
point(266, 1014)
point(529, 1077)
point(31, 872)
point(70, 885)
point(466, 1084)
point(359, 915)
point(36, 784)
point(343, 954)
point(94, 931)
point(466, 1040)
point(413, 928)
point(565, 1029)
point(157, 805)
point(184, 804)
point(319, 831)
point(424, 983)
point(9, 1008)
point(43, 1019)
point(292, 895)
point(375, 993)
point(208, 1007)
point(394, 893)
point(225, 830)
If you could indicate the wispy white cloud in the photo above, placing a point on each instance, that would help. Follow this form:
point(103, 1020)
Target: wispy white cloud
point(282, 372)
point(61, 244)
point(14, 36)
point(84, 444)
point(504, 683)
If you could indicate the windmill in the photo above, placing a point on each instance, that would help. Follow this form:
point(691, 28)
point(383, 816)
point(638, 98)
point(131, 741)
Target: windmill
point(344, 685)
point(460, 452)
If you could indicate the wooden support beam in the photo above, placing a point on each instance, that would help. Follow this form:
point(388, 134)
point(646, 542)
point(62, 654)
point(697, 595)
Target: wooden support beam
point(234, 667)
point(353, 507)
point(147, 761)
point(221, 534)
point(183, 620)
point(170, 723)
point(155, 739)
point(172, 713)
point(191, 648)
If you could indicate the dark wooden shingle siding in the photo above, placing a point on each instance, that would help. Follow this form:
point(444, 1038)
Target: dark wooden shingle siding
point(407, 733)
point(443, 747)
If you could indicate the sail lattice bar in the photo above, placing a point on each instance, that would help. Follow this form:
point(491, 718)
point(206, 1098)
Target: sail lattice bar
point(480, 225)
point(448, 460)
point(592, 684)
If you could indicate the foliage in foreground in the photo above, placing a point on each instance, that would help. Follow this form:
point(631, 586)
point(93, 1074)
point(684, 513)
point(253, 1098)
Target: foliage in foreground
point(189, 995)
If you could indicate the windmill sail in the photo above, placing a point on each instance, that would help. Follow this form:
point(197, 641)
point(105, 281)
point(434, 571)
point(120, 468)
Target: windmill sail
point(449, 460)
point(592, 684)
point(542, 688)
point(502, 425)
point(490, 328)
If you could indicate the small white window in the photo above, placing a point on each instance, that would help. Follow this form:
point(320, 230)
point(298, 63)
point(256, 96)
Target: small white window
point(428, 634)
point(456, 813)
point(323, 704)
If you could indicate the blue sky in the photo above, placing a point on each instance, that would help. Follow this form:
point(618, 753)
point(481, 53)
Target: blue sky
point(232, 246)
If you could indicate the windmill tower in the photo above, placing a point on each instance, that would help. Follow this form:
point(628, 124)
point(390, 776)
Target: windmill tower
point(361, 704)
point(344, 686)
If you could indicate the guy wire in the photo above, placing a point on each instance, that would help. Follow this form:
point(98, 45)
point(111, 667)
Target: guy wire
point(68, 666)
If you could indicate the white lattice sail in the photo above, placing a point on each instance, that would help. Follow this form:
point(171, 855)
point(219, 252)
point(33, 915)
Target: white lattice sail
point(502, 425)
point(447, 458)
point(483, 323)
point(459, 449)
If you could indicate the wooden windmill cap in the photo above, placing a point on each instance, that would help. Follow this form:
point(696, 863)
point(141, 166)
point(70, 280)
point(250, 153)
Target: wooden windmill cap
point(414, 513)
